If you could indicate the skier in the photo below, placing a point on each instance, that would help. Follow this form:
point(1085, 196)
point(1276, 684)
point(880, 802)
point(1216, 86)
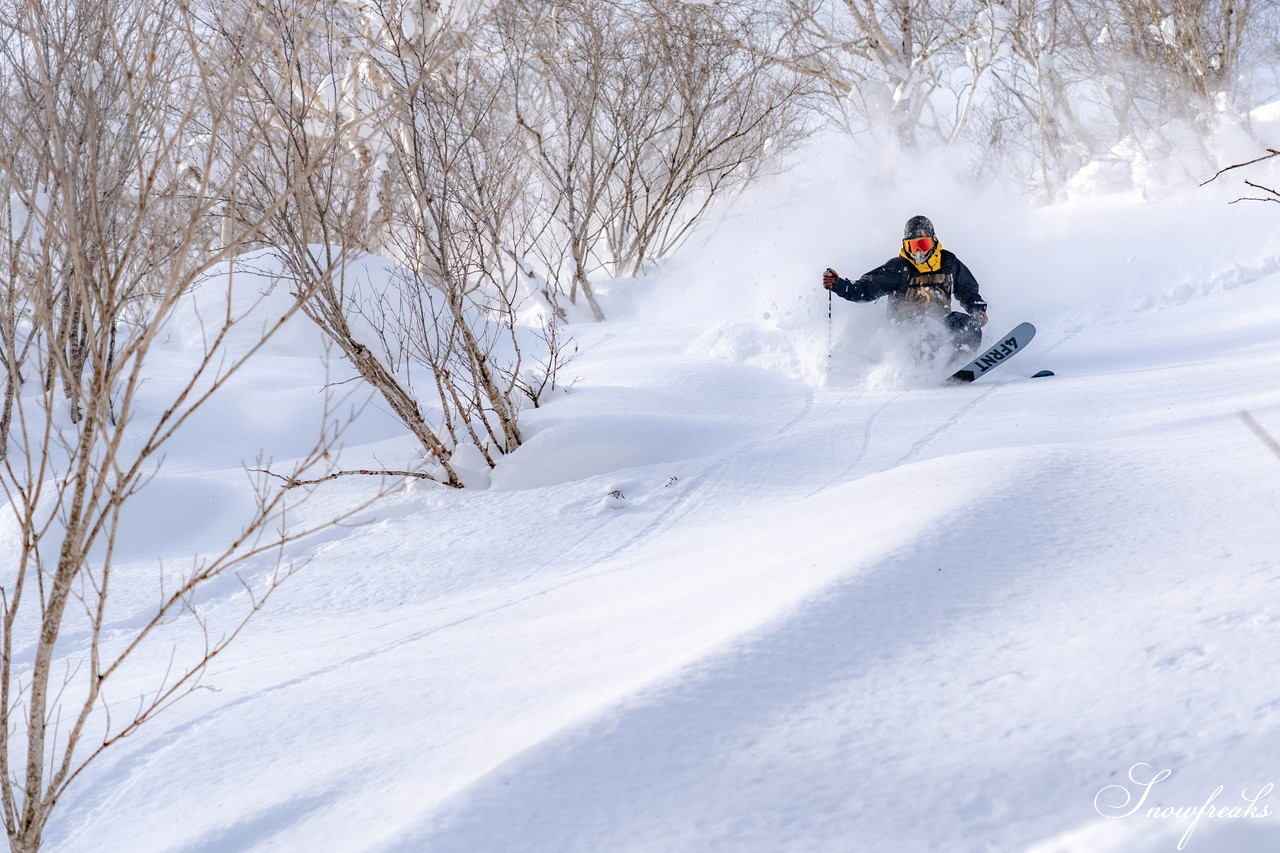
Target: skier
point(920, 283)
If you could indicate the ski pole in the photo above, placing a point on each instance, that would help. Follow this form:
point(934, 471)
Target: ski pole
point(829, 333)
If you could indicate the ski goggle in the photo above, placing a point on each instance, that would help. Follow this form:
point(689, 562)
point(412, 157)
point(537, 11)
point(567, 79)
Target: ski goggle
point(920, 245)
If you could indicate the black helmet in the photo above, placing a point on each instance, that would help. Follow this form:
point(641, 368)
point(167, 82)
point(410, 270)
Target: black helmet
point(919, 242)
point(918, 226)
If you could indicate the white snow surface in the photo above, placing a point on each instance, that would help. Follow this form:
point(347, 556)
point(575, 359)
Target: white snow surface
point(736, 595)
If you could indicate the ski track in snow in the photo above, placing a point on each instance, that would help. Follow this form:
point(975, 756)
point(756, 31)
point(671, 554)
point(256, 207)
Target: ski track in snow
point(690, 490)
point(950, 423)
point(852, 465)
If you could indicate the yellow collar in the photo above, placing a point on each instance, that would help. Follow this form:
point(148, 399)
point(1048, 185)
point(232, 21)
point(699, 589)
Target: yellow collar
point(932, 264)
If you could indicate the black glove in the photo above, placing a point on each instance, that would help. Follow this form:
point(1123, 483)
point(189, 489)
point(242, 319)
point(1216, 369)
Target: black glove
point(978, 311)
point(829, 278)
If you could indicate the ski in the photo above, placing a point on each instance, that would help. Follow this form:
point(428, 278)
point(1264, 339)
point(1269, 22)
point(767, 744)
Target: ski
point(1004, 349)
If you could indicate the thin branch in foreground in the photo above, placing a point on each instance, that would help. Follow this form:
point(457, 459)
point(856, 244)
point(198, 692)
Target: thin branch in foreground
point(291, 483)
point(1271, 152)
point(1264, 189)
point(1263, 436)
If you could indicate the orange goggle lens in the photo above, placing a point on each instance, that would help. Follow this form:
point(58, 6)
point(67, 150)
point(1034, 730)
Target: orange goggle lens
point(920, 246)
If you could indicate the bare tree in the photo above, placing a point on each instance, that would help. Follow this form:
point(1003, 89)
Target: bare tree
point(78, 104)
point(423, 107)
point(880, 62)
point(1030, 122)
point(454, 232)
point(693, 117)
point(1194, 44)
point(636, 116)
point(314, 159)
point(1038, 88)
point(109, 191)
point(564, 58)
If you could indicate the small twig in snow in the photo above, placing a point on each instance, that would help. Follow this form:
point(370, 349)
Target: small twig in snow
point(1263, 436)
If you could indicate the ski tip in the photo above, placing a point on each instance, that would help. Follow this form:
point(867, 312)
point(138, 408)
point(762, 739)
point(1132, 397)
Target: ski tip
point(1042, 373)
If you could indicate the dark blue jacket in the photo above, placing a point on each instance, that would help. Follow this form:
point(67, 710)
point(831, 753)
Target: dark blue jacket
point(913, 293)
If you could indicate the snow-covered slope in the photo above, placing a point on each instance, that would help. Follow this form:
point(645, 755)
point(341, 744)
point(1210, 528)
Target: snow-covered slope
point(736, 595)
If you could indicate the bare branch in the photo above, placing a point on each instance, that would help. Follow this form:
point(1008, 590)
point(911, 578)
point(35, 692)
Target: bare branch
point(1271, 153)
point(1257, 429)
point(291, 483)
